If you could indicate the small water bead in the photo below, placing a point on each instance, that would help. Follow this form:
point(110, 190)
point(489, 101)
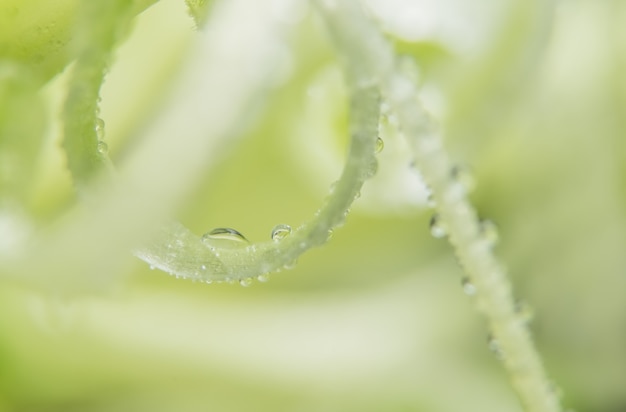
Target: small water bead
point(102, 148)
point(468, 287)
point(203, 267)
point(372, 169)
point(333, 186)
point(290, 265)
point(330, 234)
point(430, 201)
point(524, 311)
point(280, 232)
point(437, 227)
point(263, 278)
point(99, 128)
point(489, 232)
point(463, 175)
point(224, 234)
point(494, 347)
point(245, 282)
point(380, 145)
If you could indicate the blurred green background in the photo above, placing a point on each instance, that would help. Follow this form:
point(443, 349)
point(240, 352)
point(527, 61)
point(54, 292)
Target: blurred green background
point(533, 99)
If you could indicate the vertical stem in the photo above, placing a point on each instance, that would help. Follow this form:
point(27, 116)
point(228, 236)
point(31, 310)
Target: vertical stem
point(99, 28)
point(372, 58)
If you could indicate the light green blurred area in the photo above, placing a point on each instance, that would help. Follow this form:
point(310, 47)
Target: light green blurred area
point(376, 319)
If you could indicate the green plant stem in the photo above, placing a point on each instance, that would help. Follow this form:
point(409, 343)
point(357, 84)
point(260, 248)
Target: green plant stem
point(360, 42)
point(124, 214)
point(181, 253)
point(100, 27)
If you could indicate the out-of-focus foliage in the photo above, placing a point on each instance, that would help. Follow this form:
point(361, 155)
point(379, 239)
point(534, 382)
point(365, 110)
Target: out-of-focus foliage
point(376, 319)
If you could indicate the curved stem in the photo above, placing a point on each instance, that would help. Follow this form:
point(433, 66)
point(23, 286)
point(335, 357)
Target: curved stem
point(99, 28)
point(360, 43)
point(175, 249)
point(181, 253)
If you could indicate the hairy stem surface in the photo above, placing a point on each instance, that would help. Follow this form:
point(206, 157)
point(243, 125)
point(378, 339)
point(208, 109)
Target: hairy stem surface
point(359, 42)
point(179, 252)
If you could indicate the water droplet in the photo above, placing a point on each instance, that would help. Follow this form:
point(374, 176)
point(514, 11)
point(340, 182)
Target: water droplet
point(224, 237)
point(330, 234)
point(468, 287)
point(371, 170)
point(380, 145)
point(463, 175)
point(290, 265)
point(494, 347)
point(263, 278)
point(524, 311)
point(280, 232)
point(333, 186)
point(99, 128)
point(245, 282)
point(437, 227)
point(152, 267)
point(203, 267)
point(430, 201)
point(103, 148)
point(489, 232)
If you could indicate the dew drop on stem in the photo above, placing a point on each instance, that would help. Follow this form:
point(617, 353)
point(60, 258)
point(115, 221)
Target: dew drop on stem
point(494, 347)
point(372, 169)
point(224, 237)
point(263, 278)
point(489, 232)
point(99, 128)
point(280, 232)
point(524, 311)
point(437, 227)
point(245, 282)
point(430, 201)
point(224, 233)
point(468, 287)
point(463, 176)
point(103, 148)
point(380, 145)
